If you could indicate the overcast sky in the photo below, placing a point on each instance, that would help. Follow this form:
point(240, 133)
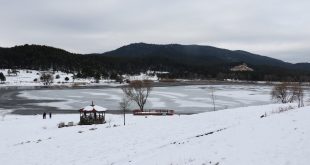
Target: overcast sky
point(275, 28)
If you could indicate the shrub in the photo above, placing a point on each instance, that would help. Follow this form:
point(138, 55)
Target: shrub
point(2, 77)
point(61, 125)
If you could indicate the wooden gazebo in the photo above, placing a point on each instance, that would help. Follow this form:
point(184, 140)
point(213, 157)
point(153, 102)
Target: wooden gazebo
point(92, 114)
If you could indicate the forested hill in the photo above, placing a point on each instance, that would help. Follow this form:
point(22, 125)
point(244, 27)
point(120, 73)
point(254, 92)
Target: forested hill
point(197, 53)
point(36, 57)
point(181, 61)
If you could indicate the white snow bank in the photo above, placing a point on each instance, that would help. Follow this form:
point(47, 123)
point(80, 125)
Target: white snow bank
point(240, 137)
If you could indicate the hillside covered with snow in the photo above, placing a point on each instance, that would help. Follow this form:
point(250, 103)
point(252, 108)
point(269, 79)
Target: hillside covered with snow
point(228, 137)
point(25, 77)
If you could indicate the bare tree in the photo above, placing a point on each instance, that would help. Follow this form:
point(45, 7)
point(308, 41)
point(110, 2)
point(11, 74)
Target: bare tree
point(9, 72)
point(212, 97)
point(288, 93)
point(299, 94)
point(47, 78)
point(124, 105)
point(3, 113)
point(138, 91)
point(280, 92)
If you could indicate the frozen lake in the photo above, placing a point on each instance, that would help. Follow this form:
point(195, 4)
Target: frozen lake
point(183, 99)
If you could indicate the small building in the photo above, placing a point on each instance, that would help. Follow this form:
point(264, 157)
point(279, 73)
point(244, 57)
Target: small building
point(242, 68)
point(92, 114)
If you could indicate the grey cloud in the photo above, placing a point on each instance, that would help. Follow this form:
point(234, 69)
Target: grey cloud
point(82, 26)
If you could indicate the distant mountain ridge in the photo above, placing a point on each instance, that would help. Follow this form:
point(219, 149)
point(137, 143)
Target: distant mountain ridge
point(213, 54)
point(193, 51)
point(181, 61)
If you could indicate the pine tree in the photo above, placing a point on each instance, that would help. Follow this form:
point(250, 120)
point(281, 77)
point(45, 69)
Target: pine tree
point(2, 77)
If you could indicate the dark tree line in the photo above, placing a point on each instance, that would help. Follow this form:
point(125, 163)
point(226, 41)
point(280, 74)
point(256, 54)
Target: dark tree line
point(112, 66)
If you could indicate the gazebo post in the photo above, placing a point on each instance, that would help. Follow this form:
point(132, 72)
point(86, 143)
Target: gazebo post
point(103, 116)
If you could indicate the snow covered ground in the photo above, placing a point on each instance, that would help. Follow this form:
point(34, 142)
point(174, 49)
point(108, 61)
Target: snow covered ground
point(27, 77)
point(228, 137)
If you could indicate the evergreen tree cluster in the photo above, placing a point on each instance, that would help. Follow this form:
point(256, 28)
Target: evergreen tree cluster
point(186, 62)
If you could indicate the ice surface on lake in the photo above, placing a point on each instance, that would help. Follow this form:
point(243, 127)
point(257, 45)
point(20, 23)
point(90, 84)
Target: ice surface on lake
point(190, 99)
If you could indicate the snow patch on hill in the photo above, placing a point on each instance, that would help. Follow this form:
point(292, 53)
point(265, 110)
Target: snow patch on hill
point(32, 78)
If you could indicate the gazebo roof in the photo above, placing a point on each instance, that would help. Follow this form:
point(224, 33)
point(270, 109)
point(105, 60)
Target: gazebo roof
point(93, 107)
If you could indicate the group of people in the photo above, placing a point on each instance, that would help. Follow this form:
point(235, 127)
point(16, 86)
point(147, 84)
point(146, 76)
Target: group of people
point(44, 115)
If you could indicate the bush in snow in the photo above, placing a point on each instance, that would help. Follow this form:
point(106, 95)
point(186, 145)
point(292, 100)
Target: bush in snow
point(288, 93)
point(2, 77)
point(67, 78)
point(46, 78)
point(61, 125)
point(283, 109)
point(119, 79)
point(57, 76)
point(97, 77)
point(281, 93)
point(12, 71)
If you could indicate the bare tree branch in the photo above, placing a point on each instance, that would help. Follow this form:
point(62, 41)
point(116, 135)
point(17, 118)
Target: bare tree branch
point(124, 105)
point(288, 93)
point(138, 91)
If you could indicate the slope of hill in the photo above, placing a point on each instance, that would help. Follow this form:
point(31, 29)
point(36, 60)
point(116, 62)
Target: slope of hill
point(227, 137)
point(212, 62)
point(36, 57)
point(303, 66)
point(181, 61)
point(195, 52)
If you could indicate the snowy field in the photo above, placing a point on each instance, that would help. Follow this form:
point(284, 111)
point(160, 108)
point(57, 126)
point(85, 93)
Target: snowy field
point(229, 137)
point(32, 78)
point(185, 99)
